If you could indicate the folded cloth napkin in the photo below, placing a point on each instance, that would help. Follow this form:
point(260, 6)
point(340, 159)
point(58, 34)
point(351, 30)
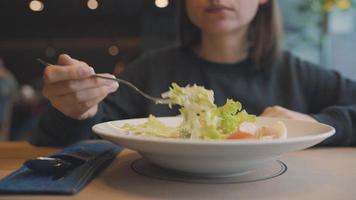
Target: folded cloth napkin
point(89, 158)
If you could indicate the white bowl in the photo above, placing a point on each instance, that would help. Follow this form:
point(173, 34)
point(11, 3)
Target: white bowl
point(215, 158)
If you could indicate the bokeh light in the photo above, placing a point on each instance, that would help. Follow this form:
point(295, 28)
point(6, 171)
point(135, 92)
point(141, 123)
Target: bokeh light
point(113, 50)
point(36, 5)
point(92, 4)
point(161, 3)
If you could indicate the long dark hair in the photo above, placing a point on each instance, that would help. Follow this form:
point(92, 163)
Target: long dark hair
point(265, 33)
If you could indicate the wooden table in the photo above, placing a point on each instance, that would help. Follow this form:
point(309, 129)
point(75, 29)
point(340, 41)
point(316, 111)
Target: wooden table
point(318, 174)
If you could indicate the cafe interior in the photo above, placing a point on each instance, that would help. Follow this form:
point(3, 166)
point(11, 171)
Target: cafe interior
point(110, 34)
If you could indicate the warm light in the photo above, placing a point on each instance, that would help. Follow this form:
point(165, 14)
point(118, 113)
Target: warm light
point(161, 3)
point(36, 5)
point(113, 50)
point(28, 92)
point(92, 4)
point(50, 52)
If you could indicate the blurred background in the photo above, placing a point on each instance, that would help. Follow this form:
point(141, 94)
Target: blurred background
point(109, 34)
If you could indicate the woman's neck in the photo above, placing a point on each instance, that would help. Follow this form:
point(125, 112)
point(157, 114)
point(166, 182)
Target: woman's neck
point(227, 48)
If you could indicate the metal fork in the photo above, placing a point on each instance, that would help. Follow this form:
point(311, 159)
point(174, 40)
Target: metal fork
point(147, 96)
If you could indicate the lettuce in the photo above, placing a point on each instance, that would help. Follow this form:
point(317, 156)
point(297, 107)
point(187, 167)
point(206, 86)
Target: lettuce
point(202, 119)
point(153, 127)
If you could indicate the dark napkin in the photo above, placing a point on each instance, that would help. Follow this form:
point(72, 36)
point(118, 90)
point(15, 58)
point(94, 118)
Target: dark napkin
point(90, 156)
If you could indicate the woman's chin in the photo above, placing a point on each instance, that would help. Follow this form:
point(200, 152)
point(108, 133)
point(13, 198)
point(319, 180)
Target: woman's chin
point(220, 29)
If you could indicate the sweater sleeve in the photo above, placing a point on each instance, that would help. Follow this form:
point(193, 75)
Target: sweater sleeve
point(333, 102)
point(56, 129)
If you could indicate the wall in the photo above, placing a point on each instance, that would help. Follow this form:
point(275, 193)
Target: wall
point(302, 40)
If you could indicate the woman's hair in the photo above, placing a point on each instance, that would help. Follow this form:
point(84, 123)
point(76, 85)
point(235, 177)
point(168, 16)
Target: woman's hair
point(265, 33)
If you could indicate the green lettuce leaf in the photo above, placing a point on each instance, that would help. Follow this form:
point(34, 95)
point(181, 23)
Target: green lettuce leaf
point(202, 119)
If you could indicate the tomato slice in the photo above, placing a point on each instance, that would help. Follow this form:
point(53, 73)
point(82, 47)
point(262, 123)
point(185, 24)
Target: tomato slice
point(239, 135)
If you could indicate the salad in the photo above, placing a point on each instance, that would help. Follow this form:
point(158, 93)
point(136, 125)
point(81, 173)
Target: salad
point(203, 119)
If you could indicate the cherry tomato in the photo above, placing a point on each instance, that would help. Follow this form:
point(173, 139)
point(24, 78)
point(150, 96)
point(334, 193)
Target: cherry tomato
point(239, 135)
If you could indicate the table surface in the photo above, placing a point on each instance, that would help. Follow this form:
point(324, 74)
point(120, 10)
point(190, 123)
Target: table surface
point(318, 173)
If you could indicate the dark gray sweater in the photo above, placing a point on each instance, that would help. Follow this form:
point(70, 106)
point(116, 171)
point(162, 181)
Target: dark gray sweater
point(290, 83)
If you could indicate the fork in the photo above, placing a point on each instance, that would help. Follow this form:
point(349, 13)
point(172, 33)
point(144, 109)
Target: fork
point(147, 96)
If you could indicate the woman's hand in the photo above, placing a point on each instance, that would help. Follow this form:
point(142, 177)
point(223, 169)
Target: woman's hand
point(72, 90)
point(281, 112)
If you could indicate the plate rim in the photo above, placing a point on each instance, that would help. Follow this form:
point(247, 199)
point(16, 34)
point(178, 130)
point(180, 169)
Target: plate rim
point(96, 128)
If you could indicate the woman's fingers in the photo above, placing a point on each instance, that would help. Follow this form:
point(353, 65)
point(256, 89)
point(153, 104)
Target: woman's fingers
point(79, 111)
point(71, 86)
point(67, 69)
point(65, 59)
point(56, 73)
point(281, 112)
point(72, 89)
point(83, 96)
point(83, 104)
point(274, 111)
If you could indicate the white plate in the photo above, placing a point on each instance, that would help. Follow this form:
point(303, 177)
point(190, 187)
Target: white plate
point(215, 158)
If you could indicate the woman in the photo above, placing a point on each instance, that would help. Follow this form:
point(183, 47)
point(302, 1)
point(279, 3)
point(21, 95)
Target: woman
point(229, 46)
